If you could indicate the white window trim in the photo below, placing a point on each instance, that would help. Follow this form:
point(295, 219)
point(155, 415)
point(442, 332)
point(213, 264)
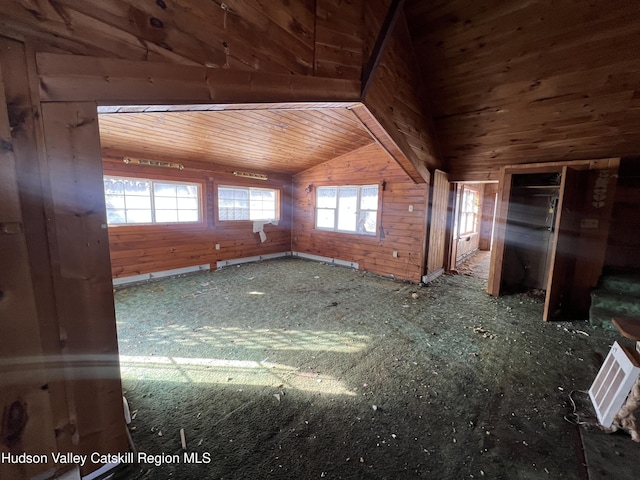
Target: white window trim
point(337, 208)
point(153, 210)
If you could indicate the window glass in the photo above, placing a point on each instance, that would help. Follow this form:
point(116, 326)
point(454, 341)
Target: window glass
point(351, 209)
point(247, 203)
point(143, 201)
point(469, 207)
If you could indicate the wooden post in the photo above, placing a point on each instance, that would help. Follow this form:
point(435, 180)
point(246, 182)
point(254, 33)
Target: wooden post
point(436, 252)
point(82, 278)
point(24, 396)
point(500, 229)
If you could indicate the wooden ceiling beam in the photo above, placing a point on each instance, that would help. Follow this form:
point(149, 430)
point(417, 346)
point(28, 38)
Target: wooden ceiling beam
point(395, 9)
point(124, 82)
point(380, 135)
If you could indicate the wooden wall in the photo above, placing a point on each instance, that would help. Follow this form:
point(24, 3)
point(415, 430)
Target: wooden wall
point(529, 81)
point(153, 248)
point(62, 389)
point(623, 250)
point(156, 52)
point(488, 211)
point(404, 231)
point(338, 38)
point(439, 207)
point(396, 99)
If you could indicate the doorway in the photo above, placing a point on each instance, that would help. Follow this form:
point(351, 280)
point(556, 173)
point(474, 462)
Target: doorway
point(473, 212)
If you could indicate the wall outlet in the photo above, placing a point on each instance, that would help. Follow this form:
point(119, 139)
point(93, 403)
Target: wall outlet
point(217, 246)
point(411, 208)
point(395, 254)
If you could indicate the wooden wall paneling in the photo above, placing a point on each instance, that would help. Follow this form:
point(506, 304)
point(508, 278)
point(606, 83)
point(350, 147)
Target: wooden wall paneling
point(382, 138)
point(113, 81)
point(338, 39)
point(623, 249)
point(142, 249)
point(28, 147)
point(279, 141)
point(243, 35)
point(439, 205)
point(373, 59)
point(564, 243)
point(488, 212)
point(528, 81)
point(374, 12)
point(82, 278)
point(594, 229)
point(500, 228)
point(394, 98)
point(404, 231)
point(23, 369)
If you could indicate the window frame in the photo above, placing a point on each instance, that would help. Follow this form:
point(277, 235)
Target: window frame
point(162, 180)
point(359, 187)
point(464, 213)
point(216, 203)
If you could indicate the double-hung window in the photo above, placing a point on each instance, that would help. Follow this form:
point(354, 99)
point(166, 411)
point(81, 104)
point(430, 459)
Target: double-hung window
point(247, 203)
point(469, 207)
point(352, 209)
point(146, 201)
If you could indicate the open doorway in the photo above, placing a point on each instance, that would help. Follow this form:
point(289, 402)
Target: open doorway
point(474, 206)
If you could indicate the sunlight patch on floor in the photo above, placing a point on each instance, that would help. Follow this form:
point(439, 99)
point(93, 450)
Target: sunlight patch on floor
point(272, 339)
point(228, 372)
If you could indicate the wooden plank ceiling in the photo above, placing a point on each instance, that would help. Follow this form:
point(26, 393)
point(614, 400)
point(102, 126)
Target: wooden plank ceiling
point(284, 141)
point(525, 81)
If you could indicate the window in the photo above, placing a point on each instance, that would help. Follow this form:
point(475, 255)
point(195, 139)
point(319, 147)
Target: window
point(347, 209)
point(246, 203)
point(468, 211)
point(143, 201)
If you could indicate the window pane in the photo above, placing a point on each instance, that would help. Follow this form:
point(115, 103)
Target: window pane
point(138, 202)
point(347, 204)
point(238, 203)
point(188, 216)
point(115, 216)
point(112, 185)
point(166, 203)
point(128, 200)
point(163, 216)
point(367, 222)
point(138, 216)
point(258, 214)
point(325, 218)
point(369, 197)
point(187, 203)
point(136, 187)
point(190, 191)
point(114, 201)
point(326, 197)
point(261, 194)
point(164, 189)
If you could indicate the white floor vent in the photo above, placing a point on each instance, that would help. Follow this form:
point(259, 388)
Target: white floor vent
point(614, 382)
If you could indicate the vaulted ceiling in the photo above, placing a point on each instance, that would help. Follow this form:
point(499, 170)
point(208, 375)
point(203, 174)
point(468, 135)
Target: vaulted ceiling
point(506, 82)
point(285, 141)
point(529, 81)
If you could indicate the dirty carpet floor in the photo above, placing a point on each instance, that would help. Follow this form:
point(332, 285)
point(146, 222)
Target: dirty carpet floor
point(292, 369)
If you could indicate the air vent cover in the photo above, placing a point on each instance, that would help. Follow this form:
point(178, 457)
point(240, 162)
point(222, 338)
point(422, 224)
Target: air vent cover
point(613, 383)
